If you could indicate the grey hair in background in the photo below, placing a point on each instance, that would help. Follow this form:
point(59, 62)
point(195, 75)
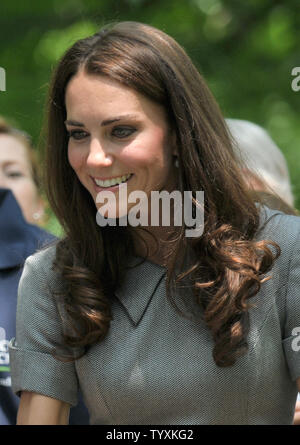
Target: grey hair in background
point(260, 155)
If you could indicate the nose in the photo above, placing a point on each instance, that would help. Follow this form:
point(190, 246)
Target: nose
point(99, 155)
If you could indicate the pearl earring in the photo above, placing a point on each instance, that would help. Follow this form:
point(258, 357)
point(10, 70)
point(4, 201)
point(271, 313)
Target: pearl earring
point(176, 163)
point(37, 215)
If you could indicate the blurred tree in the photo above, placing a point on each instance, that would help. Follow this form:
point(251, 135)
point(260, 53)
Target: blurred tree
point(245, 50)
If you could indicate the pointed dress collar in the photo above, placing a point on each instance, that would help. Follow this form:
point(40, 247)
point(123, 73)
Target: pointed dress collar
point(139, 286)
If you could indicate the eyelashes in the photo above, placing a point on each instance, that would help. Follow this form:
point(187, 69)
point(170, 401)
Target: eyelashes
point(119, 132)
point(123, 132)
point(77, 134)
point(15, 174)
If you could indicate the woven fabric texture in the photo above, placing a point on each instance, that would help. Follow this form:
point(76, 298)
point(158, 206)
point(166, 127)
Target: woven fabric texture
point(155, 366)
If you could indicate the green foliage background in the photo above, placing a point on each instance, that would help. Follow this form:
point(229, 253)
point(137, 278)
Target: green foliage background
point(245, 50)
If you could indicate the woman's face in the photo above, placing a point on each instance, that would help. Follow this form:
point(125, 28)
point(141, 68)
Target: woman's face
point(15, 174)
point(117, 133)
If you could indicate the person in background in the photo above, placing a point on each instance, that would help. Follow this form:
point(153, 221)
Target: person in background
point(263, 165)
point(21, 206)
point(19, 172)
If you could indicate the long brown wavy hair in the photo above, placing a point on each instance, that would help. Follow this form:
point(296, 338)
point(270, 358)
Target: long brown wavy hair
point(229, 264)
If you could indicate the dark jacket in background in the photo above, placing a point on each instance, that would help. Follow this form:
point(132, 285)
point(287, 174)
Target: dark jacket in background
point(18, 240)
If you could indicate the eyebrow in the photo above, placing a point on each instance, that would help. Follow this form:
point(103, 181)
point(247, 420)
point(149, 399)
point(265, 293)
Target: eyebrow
point(13, 164)
point(103, 123)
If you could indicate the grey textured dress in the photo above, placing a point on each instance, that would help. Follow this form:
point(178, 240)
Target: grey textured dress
point(155, 366)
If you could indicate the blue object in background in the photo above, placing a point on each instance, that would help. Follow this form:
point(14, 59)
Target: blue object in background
point(18, 240)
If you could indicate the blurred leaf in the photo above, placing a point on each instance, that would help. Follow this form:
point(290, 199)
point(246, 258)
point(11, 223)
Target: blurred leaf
point(55, 42)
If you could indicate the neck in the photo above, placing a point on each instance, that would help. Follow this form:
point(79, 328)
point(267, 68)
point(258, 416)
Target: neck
point(159, 241)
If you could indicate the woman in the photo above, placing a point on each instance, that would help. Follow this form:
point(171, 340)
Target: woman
point(19, 172)
point(128, 106)
point(21, 206)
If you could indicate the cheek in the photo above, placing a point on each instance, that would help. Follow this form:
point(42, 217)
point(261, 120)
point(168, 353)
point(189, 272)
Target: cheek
point(25, 192)
point(75, 158)
point(150, 152)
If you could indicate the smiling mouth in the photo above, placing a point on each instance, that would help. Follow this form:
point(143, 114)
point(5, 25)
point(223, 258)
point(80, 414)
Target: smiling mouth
point(107, 183)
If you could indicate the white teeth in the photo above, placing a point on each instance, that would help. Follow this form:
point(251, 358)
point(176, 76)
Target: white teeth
point(111, 182)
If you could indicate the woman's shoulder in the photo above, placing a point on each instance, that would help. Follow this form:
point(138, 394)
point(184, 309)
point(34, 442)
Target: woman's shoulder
point(44, 256)
point(279, 227)
point(284, 230)
point(277, 300)
point(39, 285)
point(40, 264)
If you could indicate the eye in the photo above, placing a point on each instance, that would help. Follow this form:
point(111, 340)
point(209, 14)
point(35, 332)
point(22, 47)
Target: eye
point(77, 134)
point(123, 132)
point(14, 174)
